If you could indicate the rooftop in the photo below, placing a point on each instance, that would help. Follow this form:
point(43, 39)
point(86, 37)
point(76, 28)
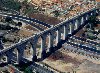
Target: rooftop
point(64, 9)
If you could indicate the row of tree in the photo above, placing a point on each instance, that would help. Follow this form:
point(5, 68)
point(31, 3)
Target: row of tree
point(11, 4)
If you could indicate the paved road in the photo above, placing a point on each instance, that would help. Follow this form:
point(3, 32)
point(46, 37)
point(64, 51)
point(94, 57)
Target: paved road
point(84, 47)
point(86, 40)
point(39, 69)
point(26, 20)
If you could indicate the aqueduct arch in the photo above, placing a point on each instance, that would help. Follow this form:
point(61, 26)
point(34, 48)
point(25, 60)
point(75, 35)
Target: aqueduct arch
point(28, 51)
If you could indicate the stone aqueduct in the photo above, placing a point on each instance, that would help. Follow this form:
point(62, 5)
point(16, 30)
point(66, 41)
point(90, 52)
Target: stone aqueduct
point(42, 42)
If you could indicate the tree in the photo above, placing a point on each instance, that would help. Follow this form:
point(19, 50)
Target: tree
point(87, 26)
point(27, 70)
point(56, 13)
point(8, 19)
point(19, 24)
point(25, 2)
point(11, 4)
point(92, 19)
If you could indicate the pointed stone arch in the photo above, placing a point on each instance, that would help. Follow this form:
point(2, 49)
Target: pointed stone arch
point(65, 31)
point(73, 25)
point(28, 51)
point(76, 24)
point(15, 56)
point(38, 47)
point(54, 34)
point(71, 28)
point(97, 12)
point(62, 32)
point(58, 37)
point(82, 20)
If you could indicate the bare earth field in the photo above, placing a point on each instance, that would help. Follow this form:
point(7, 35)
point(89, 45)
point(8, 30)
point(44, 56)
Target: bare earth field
point(44, 18)
point(65, 61)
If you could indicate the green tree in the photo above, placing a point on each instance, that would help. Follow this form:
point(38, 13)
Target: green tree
point(19, 24)
point(11, 4)
point(56, 13)
point(27, 70)
point(92, 20)
point(8, 19)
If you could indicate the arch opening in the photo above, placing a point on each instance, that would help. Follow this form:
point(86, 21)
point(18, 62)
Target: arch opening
point(28, 52)
point(91, 13)
point(54, 38)
point(71, 28)
point(62, 32)
point(82, 20)
point(47, 43)
point(87, 17)
point(15, 55)
point(38, 47)
point(76, 25)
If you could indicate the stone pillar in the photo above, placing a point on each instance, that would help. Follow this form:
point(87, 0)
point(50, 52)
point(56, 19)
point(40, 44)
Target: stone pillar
point(9, 55)
point(34, 42)
point(98, 11)
point(58, 39)
point(43, 47)
point(34, 52)
point(65, 31)
point(70, 28)
point(51, 37)
point(73, 25)
point(89, 15)
point(21, 52)
point(94, 13)
point(79, 21)
point(51, 40)
point(84, 18)
point(1, 46)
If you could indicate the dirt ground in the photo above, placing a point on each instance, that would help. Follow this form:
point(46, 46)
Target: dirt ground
point(65, 61)
point(46, 19)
